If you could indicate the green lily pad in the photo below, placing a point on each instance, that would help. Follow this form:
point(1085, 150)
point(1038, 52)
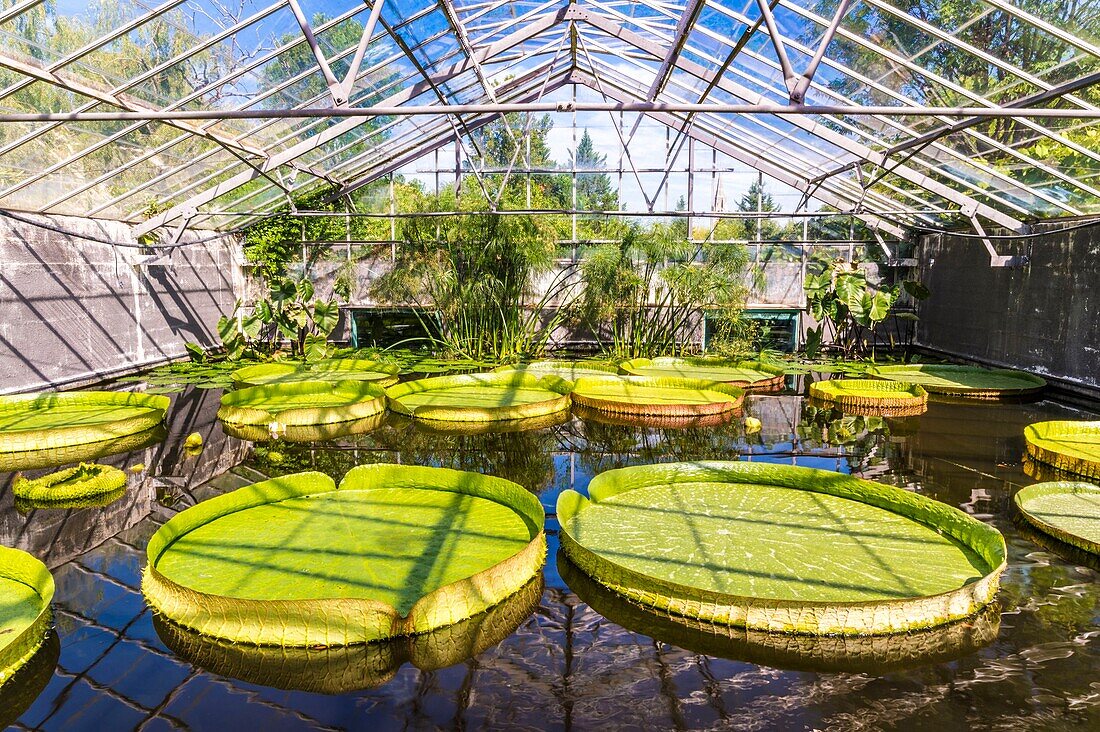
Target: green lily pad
point(781, 548)
point(967, 381)
point(490, 397)
point(750, 375)
point(817, 653)
point(56, 457)
point(332, 370)
point(570, 371)
point(342, 669)
point(656, 396)
point(1070, 512)
point(55, 420)
point(26, 588)
point(86, 480)
point(871, 396)
point(395, 550)
point(1068, 446)
point(303, 403)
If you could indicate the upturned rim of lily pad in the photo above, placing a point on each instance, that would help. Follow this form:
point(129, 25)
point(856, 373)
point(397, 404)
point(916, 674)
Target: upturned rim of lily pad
point(811, 617)
point(17, 566)
point(341, 620)
point(557, 397)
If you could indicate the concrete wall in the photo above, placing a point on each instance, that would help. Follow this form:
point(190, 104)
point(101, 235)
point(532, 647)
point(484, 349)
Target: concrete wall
point(73, 310)
point(56, 535)
point(1043, 317)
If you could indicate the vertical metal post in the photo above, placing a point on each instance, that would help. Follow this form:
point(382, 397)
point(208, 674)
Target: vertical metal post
point(691, 189)
point(622, 151)
point(393, 223)
point(759, 210)
point(458, 171)
point(574, 175)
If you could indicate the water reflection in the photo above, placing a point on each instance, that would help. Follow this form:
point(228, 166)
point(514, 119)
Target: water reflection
point(337, 670)
point(567, 666)
point(20, 691)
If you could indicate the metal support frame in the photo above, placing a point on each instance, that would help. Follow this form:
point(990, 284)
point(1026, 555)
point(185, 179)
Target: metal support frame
point(331, 133)
point(921, 141)
point(995, 259)
point(759, 160)
point(335, 88)
point(748, 108)
point(820, 131)
point(610, 20)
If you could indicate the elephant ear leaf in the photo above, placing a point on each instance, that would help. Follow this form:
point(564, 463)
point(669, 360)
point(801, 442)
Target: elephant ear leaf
point(304, 290)
point(282, 291)
point(231, 338)
point(316, 347)
point(325, 316)
point(880, 306)
point(916, 290)
point(252, 325)
point(860, 308)
point(850, 289)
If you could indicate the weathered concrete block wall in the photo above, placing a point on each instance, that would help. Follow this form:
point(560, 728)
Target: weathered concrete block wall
point(1043, 317)
point(74, 310)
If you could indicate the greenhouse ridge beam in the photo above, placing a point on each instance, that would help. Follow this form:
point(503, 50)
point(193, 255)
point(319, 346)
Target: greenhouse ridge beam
point(788, 110)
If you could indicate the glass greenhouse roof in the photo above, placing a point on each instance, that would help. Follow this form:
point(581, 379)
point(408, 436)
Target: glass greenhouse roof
point(161, 165)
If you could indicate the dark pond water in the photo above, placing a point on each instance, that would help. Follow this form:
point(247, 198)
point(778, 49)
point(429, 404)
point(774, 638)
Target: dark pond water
point(565, 655)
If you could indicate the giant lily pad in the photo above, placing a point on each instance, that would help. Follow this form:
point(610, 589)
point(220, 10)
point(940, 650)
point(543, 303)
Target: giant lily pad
point(56, 457)
point(305, 432)
point(819, 653)
point(83, 481)
point(1070, 512)
point(26, 588)
point(570, 371)
point(395, 550)
point(58, 420)
point(656, 422)
point(303, 403)
point(341, 669)
point(966, 381)
point(332, 370)
point(750, 375)
point(657, 397)
point(491, 397)
point(781, 548)
point(870, 397)
point(1068, 446)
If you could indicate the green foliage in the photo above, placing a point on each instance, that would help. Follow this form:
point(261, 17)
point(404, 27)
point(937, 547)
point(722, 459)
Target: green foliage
point(594, 191)
point(289, 312)
point(839, 295)
point(272, 243)
point(475, 272)
point(643, 293)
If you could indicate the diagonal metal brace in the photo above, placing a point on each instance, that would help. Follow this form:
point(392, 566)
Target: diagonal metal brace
point(995, 259)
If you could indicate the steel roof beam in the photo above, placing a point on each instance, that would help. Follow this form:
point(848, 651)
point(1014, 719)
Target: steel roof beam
point(295, 151)
point(679, 39)
point(858, 149)
point(757, 160)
